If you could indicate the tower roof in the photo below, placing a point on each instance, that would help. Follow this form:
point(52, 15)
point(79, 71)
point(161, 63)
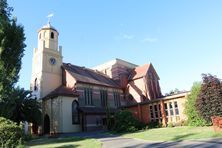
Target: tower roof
point(48, 26)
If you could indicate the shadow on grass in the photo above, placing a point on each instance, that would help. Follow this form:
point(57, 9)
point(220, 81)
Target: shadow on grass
point(44, 141)
point(182, 137)
point(67, 146)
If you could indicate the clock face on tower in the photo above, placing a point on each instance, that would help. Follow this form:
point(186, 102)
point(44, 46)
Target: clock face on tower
point(52, 61)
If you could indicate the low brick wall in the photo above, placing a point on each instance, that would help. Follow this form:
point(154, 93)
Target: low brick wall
point(217, 123)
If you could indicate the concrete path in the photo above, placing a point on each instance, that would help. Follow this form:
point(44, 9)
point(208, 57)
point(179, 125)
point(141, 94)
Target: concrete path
point(115, 141)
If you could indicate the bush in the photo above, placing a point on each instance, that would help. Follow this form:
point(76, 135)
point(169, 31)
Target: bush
point(170, 124)
point(10, 134)
point(154, 125)
point(125, 122)
point(182, 123)
point(209, 101)
point(194, 119)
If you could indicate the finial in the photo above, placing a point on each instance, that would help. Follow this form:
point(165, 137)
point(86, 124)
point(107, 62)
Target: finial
point(49, 17)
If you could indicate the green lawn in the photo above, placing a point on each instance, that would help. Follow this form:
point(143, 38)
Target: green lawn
point(64, 143)
point(175, 134)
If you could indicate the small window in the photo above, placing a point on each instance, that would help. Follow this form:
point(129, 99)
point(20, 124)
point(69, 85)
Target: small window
point(104, 97)
point(151, 112)
point(166, 109)
point(75, 112)
point(176, 108)
point(160, 113)
point(52, 35)
point(171, 109)
point(88, 92)
point(40, 36)
point(35, 85)
point(116, 96)
point(156, 111)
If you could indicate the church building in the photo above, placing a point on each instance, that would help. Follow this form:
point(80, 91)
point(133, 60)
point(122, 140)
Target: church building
point(76, 98)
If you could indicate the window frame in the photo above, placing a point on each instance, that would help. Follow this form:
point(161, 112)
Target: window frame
point(176, 108)
point(75, 112)
point(171, 108)
point(52, 35)
point(88, 96)
point(104, 97)
point(116, 97)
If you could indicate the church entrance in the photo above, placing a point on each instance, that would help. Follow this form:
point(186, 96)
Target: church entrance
point(46, 124)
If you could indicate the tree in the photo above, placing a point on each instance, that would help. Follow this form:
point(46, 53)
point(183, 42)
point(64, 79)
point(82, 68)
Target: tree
point(194, 119)
point(173, 92)
point(22, 107)
point(126, 122)
point(11, 50)
point(209, 101)
point(5, 11)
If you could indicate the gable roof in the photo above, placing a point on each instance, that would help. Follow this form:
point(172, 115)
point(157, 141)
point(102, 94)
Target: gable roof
point(62, 91)
point(89, 76)
point(141, 71)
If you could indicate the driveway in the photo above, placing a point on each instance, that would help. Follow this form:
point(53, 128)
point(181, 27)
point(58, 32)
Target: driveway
point(116, 141)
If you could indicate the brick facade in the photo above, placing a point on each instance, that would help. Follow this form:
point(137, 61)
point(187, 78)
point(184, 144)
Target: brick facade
point(156, 110)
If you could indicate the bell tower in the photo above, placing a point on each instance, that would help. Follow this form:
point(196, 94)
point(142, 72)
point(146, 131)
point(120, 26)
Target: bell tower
point(47, 62)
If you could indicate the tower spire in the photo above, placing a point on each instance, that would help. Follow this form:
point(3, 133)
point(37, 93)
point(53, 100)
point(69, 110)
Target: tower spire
point(49, 17)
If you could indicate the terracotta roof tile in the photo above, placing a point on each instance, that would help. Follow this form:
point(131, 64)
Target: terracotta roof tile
point(86, 75)
point(62, 91)
point(139, 71)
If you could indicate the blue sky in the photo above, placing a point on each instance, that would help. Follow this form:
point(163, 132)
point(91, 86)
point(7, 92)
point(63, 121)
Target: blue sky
point(182, 39)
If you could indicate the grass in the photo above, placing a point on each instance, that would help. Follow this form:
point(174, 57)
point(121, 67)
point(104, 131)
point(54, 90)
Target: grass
point(64, 143)
point(175, 134)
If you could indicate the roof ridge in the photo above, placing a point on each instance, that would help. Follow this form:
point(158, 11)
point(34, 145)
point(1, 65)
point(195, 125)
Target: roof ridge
point(88, 75)
point(96, 71)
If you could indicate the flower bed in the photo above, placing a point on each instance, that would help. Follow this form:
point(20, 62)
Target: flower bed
point(217, 123)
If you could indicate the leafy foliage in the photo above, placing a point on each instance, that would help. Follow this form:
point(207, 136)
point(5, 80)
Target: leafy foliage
point(154, 124)
point(5, 11)
point(209, 100)
point(125, 122)
point(11, 50)
point(11, 135)
point(194, 119)
point(22, 107)
point(15, 103)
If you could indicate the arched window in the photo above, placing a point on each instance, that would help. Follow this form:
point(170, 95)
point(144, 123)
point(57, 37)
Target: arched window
point(35, 84)
point(75, 112)
point(52, 35)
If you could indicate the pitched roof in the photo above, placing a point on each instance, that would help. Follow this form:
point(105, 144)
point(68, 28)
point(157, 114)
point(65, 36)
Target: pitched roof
point(62, 91)
point(86, 75)
point(141, 71)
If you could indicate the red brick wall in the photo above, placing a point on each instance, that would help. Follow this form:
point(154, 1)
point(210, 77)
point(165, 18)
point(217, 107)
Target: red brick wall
point(145, 113)
point(134, 111)
point(141, 112)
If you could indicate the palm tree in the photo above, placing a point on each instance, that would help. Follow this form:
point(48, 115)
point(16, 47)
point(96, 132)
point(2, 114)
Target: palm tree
point(22, 107)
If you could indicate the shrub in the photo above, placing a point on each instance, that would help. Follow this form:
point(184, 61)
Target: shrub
point(194, 119)
point(170, 124)
point(10, 134)
point(153, 124)
point(209, 101)
point(125, 122)
point(181, 123)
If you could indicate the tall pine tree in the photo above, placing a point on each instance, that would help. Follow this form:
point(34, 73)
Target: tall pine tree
point(15, 103)
point(11, 50)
